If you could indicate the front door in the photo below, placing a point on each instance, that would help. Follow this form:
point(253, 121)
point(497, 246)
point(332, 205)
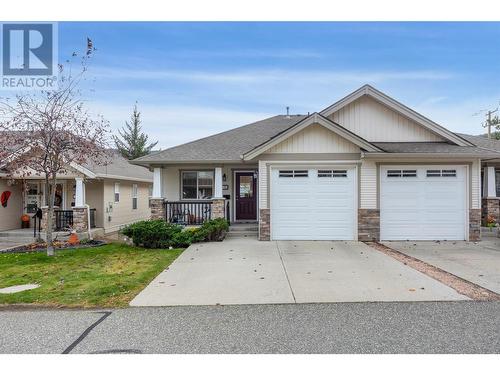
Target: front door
point(246, 195)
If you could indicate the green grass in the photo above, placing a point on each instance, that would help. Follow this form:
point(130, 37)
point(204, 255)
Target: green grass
point(106, 276)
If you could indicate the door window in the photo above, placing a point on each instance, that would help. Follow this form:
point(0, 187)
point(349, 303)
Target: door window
point(246, 187)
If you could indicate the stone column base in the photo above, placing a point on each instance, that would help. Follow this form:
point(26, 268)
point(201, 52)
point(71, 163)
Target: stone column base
point(218, 208)
point(157, 208)
point(490, 207)
point(474, 224)
point(264, 224)
point(80, 219)
point(368, 224)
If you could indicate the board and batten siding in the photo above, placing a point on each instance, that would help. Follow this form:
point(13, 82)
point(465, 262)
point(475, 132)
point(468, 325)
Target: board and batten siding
point(368, 185)
point(376, 122)
point(314, 139)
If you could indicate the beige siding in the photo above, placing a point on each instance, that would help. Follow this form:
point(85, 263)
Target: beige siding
point(10, 216)
point(376, 122)
point(476, 184)
point(94, 197)
point(263, 185)
point(314, 139)
point(368, 184)
point(122, 212)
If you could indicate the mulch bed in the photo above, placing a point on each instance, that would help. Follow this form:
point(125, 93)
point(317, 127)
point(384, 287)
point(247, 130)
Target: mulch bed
point(41, 247)
point(462, 286)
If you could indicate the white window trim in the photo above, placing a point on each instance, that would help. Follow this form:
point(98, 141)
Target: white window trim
point(116, 191)
point(135, 189)
point(197, 185)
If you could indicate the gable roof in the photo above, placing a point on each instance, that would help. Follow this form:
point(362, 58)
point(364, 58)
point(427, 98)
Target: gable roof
point(226, 146)
point(399, 108)
point(314, 118)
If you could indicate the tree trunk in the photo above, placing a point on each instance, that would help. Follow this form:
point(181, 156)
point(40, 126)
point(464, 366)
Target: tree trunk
point(50, 215)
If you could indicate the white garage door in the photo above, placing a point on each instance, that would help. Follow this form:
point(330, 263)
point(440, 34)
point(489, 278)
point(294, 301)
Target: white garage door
point(423, 203)
point(313, 204)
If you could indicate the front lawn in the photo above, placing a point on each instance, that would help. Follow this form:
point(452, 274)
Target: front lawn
point(106, 276)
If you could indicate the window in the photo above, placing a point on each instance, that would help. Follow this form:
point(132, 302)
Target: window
point(134, 196)
point(293, 173)
point(197, 184)
point(117, 192)
point(441, 173)
point(150, 194)
point(402, 173)
point(332, 173)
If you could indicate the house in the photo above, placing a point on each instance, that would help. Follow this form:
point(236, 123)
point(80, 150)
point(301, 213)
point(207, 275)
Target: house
point(116, 193)
point(365, 168)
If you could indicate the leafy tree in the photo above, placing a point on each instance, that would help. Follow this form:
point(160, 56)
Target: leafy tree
point(134, 142)
point(43, 133)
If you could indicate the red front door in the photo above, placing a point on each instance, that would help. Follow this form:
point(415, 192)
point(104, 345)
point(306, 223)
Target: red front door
point(246, 195)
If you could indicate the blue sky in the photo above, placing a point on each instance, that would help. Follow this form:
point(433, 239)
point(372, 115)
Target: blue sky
point(196, 79)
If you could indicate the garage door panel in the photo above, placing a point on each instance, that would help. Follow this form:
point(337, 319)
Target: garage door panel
point(423, 207)
point(322, 208)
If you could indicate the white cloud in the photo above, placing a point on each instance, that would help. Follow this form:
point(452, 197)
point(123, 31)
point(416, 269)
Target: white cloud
point(173, 125)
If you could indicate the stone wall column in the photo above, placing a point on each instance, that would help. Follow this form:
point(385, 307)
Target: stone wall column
point(157, 208)
point(218, 208)
point(264, 224)
point(368, 224)
point(80, 219)
point(491, 207)
point(475, 224)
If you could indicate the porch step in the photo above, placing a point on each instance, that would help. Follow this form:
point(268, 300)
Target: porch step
point(243, 230)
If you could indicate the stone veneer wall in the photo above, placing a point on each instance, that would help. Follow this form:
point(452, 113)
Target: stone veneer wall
point(491, 206)
point(264, 224)
point(157, 208)
point(474, 224)
point(368, 224)
point(43, 222)
point(218, 208)
point(80, 219)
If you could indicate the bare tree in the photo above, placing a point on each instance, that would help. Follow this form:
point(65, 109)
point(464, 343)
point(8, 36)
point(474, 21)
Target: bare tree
point(43, 132)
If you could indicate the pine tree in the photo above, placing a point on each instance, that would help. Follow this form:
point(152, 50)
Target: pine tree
point(134, 142)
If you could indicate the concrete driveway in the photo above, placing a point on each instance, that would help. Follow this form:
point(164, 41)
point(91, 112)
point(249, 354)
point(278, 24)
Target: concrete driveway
point(477, 262)
point(247, 271)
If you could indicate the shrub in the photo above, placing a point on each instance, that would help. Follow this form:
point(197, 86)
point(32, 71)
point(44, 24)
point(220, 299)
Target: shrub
point(156, 234)
point(152, 234)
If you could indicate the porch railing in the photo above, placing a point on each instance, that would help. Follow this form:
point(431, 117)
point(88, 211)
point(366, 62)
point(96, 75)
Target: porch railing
point(64, 219)
point(188, 212)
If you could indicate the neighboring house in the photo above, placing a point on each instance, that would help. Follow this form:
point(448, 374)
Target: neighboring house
point(117, 194)
point(367, 167)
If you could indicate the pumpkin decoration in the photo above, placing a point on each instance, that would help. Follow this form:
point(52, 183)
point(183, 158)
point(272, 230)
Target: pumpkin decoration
point(25, 218)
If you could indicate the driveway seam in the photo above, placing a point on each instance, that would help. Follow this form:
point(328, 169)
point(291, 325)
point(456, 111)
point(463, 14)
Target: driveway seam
point(286, 273)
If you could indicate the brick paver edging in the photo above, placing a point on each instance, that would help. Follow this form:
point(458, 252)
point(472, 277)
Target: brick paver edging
point(462, 286)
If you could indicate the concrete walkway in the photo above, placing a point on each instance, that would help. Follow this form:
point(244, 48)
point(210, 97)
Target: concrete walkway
point(477, 262)
point(247, 271)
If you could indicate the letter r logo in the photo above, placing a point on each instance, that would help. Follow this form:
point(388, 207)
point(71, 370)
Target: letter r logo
point(27, 49)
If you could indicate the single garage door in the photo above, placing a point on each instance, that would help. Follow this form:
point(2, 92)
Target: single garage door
point(423, 203)
point(313, 203)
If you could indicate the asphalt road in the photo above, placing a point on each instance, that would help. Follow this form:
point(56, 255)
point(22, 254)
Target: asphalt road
point(407, 327)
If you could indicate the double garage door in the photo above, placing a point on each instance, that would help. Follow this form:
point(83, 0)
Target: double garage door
point(416, 203)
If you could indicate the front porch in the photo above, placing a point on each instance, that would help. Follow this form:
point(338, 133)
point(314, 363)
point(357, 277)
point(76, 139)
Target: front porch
point(193, 194)
point(491, 193)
